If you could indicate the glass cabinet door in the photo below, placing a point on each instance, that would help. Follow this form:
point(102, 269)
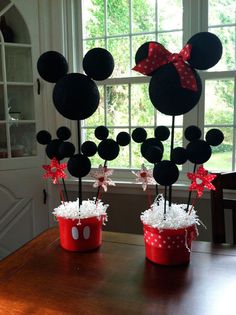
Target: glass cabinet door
point(17, 112)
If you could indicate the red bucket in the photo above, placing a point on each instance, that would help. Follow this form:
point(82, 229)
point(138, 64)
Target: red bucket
point(80, 235)
point(169, 246)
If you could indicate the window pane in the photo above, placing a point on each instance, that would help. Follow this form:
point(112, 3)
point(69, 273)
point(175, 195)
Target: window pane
point(92, 43)
point(122, 161)
point(172, 41)
point(117, 105)
point(143, 16)
point(221, 12)
point(93, 18)
point(169, 14)
point(142, 110)
point(166, 120)
point(3, 142)
point(119, 48)
point(227, 37)
point(118, 17)
point(221, 159)
point(219, 102)
point(22, 139)
point(97, 118)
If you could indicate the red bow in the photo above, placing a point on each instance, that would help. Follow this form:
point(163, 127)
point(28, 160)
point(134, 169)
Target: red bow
point(159, 56)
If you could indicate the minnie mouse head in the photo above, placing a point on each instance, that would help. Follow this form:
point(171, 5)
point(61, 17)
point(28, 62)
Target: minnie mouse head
point(175, 87)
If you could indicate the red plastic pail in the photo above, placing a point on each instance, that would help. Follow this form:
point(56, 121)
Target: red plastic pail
point(169, 246)
point(80, 235)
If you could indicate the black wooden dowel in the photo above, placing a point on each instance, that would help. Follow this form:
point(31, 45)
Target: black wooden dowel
point(190, 192)
point(79, 151)
point(171, 149)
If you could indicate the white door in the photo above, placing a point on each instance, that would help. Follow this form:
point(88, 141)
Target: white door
point(23, 212)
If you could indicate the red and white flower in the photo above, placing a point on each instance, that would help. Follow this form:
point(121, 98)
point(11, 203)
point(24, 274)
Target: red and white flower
point(55, 170)
point(200, 180)
point(101, 177)
point(144, 176)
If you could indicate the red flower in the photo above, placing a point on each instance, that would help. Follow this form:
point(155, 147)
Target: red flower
point(55, 170)
point(200, 180)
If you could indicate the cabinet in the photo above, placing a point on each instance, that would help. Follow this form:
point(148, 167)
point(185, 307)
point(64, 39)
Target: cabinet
point(17, 108)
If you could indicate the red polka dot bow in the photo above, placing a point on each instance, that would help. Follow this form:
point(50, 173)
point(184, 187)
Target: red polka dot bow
point(200, 180)
point(55, 170)
point(159, 56)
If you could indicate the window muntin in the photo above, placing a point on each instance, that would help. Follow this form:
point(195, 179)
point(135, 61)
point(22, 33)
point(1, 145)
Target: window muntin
point(158, 24)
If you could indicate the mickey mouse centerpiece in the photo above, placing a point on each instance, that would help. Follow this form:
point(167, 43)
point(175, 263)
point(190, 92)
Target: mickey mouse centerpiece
point(175, 89)
point(76, 97)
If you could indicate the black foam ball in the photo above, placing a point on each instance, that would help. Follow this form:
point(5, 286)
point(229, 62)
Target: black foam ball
point(168, 96)
point(123, 138)
point(76, 96)
point(139, 134)
point(154, 154)
point(63, 133)
point(66, 149)
point(162, 133)
point(206, 50)
point(52, 66)
point(43, 137)
point(150, 142)
point(101, 132)
point(165, 173)
point(108, 149)
point(52, 149)
point(198, 151)
point(98, 63)
point(89, 148)
point(142, 53)
point(179, 155)
point(214, 137)
point(79, 165)
point(192, 133)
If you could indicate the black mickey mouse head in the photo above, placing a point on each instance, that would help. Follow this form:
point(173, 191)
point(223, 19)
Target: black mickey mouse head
point(76, 95)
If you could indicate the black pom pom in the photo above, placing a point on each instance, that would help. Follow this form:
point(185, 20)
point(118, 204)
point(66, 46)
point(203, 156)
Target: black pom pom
point(66, 149)
point(98, 63)
point(63, 133)
point(76, 96)
point(162, 133)
point(214, 137)
point(148, 143)
point(153, 154)
point(166, 173)
point(108, 149)
point(142, 53)
point(139, 135)
point(192, 133)
point(52, 66)
point(79, 165)
point(43, 137)
point(123, 138)
point(101, 132)
point(52, 149)
point(168, 96)
point(179, 155)
point(89, 148)
point(198, 151)
point(206, 50)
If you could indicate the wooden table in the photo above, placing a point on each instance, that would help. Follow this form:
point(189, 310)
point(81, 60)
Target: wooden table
point(42, 278)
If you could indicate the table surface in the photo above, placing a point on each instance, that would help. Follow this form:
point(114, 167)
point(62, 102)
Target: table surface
point(42, 278)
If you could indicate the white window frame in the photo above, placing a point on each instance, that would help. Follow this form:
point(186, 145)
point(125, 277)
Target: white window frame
point(195, 19)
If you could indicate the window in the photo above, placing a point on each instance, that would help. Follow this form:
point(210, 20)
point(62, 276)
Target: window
point(121, 27)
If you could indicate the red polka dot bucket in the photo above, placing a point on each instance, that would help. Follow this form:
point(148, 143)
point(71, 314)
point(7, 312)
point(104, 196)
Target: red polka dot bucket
point(81, 235)
point(169, 246)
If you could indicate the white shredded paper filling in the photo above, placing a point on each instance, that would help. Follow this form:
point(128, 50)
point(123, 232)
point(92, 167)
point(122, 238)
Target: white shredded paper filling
point(176, 217)
point(88, 209)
